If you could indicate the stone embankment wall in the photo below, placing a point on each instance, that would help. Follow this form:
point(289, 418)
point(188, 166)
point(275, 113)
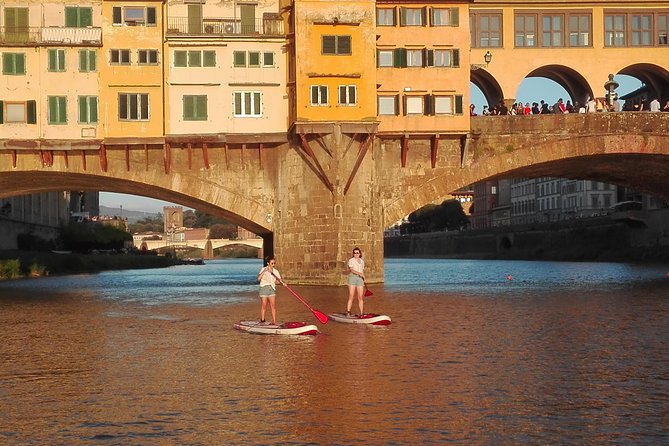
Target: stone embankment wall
point(597, 239)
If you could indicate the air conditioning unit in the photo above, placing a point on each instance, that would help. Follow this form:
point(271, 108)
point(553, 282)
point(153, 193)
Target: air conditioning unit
point(209, 29)
point(229, 29)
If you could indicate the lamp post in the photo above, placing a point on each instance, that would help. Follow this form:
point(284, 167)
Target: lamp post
point(610, 86)
point(487, 57)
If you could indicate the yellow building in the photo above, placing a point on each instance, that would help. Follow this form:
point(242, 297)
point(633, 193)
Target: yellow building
point(332, 72)
point(131, 71)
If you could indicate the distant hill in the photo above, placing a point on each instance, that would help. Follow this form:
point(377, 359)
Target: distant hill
point(132, 216)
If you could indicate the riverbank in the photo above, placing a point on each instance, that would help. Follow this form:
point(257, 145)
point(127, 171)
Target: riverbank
point(596, 239)
point(18, 264)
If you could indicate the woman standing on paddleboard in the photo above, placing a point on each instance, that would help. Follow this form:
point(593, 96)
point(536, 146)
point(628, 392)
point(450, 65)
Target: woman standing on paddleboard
point(356, 280)
point(268, 277)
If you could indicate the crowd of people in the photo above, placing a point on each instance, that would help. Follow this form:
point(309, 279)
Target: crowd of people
point(591, 106)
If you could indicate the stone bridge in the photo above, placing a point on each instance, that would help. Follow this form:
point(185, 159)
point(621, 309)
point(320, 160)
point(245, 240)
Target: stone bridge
point(315, 198)
point(200, 244)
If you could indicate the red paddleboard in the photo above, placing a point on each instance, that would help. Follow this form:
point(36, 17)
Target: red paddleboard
point(369, 318)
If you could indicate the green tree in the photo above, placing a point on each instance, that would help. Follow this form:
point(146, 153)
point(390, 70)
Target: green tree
point(147, 224)
point(218, 230)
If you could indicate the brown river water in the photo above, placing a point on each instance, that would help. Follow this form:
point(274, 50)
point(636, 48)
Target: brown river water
point(557, 353)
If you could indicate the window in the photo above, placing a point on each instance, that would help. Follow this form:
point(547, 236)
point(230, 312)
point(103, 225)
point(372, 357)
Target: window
point(384, 58)
point(16, 25)
point(119, 57)
point(254, 58)
point(388, 105)
point(18, 112)
point(247, 103)
point(526, 30)
point(641, 32)
point(385, 17)
point(13, 63)
point(56, 60)
point(88, 109)
point(443, 58)
point(412, 16)
point(57, 109)
point(239, 58)
point(444, 16)
point(319, 95)
point(87, 60)
point(663, 29)
point(133, 106)
point(147, 57)
point(78, 17)
point(443, 105)
point(347, 95)
point(195, 58)
point(414, 105)
point(414, 58)
point(268, 59)
point(134, 16)
point(579, 30)
point(195, 107)
point(336, 45)
point(486, 30)
point(551, 30)
point(614, 30)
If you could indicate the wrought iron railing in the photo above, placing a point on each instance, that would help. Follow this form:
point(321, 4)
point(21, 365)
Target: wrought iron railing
point(224, 25)
point(39, 35)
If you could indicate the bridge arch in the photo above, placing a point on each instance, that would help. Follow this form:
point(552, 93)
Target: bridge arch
point(656, 78)
point(572, 81)
point(488, 85)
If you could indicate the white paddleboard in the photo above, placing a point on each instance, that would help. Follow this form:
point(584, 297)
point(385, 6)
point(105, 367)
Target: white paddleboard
point(369, 318)
point(287, 328)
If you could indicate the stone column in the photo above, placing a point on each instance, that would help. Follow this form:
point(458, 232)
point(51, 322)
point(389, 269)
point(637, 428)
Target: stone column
point(319, 220)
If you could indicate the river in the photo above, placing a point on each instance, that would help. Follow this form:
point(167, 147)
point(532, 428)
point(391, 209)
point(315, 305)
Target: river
point(479, 353)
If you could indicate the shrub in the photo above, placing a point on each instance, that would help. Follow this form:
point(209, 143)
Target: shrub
point(10, 269)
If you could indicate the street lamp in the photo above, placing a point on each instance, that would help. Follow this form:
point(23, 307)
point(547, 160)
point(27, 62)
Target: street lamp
point(487, 57)
point(610, 86)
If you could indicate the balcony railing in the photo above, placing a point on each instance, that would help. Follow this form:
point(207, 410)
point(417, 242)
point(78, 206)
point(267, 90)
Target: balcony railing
point(52, 35)
point(224, 26)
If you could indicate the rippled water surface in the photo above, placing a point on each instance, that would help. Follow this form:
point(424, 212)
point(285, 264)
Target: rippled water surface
point(479, 353)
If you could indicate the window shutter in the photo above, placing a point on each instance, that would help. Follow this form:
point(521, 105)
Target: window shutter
point(70, 17)
point(237, 99)
point(187, 107)
point(404, 104)
point(2, 110)
point(328, 45)
point(352, 92)
point(151, 16)
point(180, 58)
point(428, 57)
point(268, 59)
point(239, 58)
point(458, 104)
point(52, 60)
point(32, 112)
point(455, 16)
point(85, 17)
point(343, 44)
point(116, 15)
point(423, 16)
point(122, 106)
point(82, 60)
point(61, 60)
point(53, 109)
point(20, 63)
point(93, 112)
point(403, 16)
point(145, 106)
point(256, 104)
point(62, 109)
point(428, 105)
point(324, 94)
point(397, 104)
point(82, 110)
point(92, 60)
point(456, 58)
point(202, 107)
point(209, 58)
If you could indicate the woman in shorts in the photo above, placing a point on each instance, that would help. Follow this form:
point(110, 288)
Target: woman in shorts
point(268, 277)
point(356, 280)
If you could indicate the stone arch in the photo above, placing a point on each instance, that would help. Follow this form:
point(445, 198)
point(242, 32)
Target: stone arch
point(571, 80)
point(654, 77)
point(214, 202)
point(488, 86)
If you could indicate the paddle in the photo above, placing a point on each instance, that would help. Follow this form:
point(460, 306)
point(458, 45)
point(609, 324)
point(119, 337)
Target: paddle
point(322, 317)
point(367, 292)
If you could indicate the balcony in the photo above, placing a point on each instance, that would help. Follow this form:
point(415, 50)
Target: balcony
point(51, 35)
point(269, 25)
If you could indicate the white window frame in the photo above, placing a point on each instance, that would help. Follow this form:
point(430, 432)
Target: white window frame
point(383, 58)
point(443, 58)
point(119, 53)
point(321, 92)
point(414, 58)
point(250, 104)
point(349, 94)
point(444, 104)
point(91, 103)
point(386, 17)
point(141, 99)
point(146, 55)
point(16, 106)
point(415, 105)
point(384, 101)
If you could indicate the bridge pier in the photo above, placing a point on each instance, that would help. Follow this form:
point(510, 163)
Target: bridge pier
point(328, 204)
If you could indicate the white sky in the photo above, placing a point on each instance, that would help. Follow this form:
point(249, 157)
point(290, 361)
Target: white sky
point(530, 90)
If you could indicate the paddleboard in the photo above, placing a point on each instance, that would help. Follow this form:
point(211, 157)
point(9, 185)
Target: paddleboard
point(369, 318)
point(287, 328)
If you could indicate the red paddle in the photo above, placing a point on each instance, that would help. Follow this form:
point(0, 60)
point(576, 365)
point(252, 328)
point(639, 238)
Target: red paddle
point(322, 317)
point(367, 292)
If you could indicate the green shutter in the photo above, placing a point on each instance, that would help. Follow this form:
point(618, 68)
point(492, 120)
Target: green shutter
point(328, 45)
point(399, 56)
point(83, 57)
point(52, 60)
point(116, 15)
point(61, 60)
point(201, 111)
point(32, 112)
point(85, 17)
point(20, 59)
point(83, 114)
point(455, 16)
point(458, 104)
point(428, 57)
point(2, 110)
point(70, 17)
point(254, 59)
point(239, 58)
point(180, 59)
point(209, 58)
point(53, 111)
point(93, 117)
point(238, 103)
point(92, 60)
point(188, 107)
point(256, 104)
point(456, 58)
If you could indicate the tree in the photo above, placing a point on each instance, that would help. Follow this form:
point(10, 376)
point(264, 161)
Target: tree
point(147, 224)
point(218, 230)
point(448, 215)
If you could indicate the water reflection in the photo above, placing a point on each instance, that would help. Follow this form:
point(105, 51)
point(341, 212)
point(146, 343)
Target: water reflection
point(564, 353)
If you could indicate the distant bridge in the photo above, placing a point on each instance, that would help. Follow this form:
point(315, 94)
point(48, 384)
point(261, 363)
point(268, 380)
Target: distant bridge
point(215, 243)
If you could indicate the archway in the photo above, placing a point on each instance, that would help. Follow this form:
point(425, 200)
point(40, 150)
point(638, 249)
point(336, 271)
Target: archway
point(488, 86)
point(655, 80)
point(569, 79)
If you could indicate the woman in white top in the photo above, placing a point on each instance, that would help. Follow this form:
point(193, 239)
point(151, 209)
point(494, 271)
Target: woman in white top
point(356, 280)
point(268, 277)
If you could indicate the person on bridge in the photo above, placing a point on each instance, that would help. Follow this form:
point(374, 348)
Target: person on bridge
point(268, 277)
point(356, 280)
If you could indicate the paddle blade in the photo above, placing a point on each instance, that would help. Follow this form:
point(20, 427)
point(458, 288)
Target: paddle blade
point(322, 317)
point(368, 293)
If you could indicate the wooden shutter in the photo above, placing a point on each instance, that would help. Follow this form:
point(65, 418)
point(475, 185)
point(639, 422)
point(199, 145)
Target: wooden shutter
point(423, 14)
point(400, 58)
point(85, 17)
point(188, 107)
point(202, 107)
point(239, 58)
point(52, 60)
point(32, 112)
point(428, 56)
point(397, 104)
point(404, 104)
point(458, 104)
point(71, 17)
point(83, 110)
point(2, 110)
point(93, 109)
point(117, 15)
point(428, 106)
point(403, 16)
point(455, 62)
point(455, 16)
point(151, 16)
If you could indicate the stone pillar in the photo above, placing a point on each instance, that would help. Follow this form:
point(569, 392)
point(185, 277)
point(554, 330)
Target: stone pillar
point(319, 220)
